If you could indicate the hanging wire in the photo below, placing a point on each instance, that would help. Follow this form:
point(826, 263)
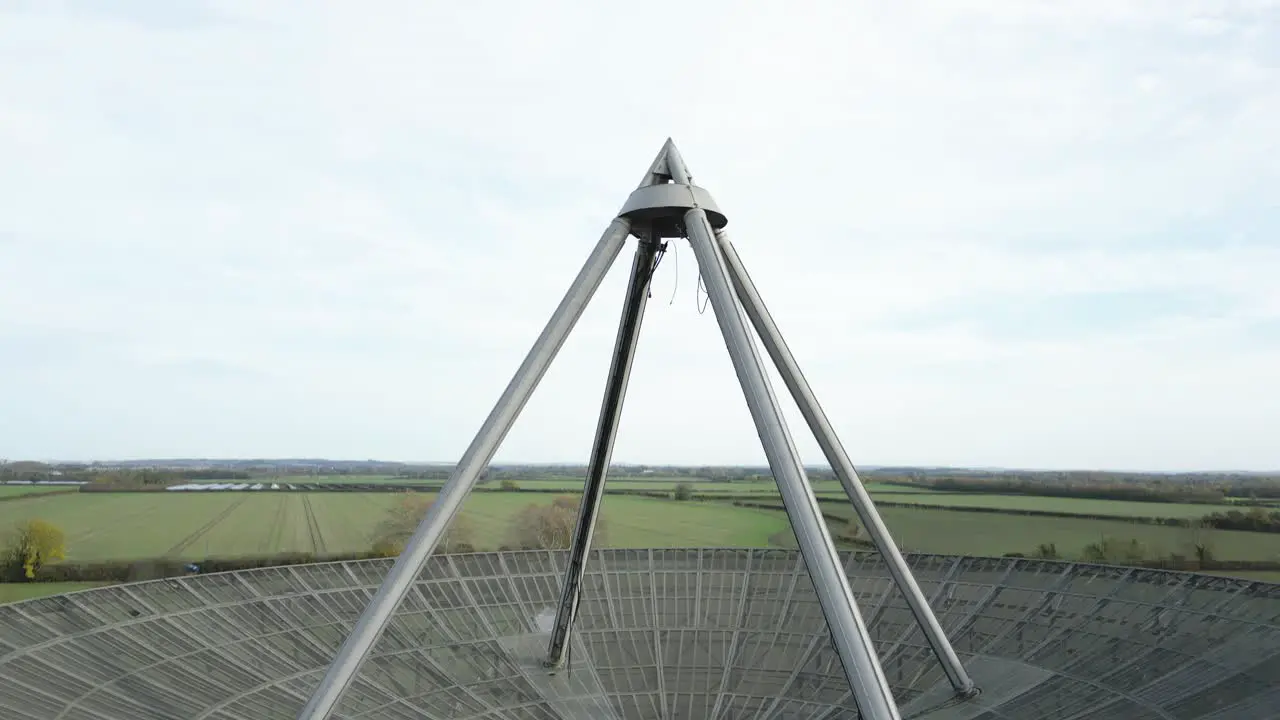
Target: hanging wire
point(697, 293)
point(702, 303)
point(699, 301)
point(675, 258)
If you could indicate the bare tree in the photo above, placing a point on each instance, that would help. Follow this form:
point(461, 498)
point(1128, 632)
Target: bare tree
point(402, 519)
point(1199, 539)
point(850, 532)
point(1115, 550)
point(551, 526)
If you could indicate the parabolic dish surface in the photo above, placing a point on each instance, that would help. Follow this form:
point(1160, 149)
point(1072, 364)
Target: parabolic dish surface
point(700, 633)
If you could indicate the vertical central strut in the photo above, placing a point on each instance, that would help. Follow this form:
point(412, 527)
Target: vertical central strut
point(624, 351)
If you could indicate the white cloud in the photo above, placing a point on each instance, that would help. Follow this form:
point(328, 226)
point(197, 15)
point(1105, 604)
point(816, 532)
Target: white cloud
point(241, 228)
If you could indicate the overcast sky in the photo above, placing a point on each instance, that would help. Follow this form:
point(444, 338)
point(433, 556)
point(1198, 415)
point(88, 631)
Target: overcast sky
point(1021, 234)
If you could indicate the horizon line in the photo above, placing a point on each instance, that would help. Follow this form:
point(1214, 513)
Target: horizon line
point(579, 463)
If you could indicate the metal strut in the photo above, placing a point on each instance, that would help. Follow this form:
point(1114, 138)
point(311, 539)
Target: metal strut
point(667, 204)
point(870, 688)
point(615, 391)
point(834, 451)
point(374, 620)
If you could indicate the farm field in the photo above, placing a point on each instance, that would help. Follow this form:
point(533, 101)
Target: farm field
point(125, 526)
point(765, 489)
point(966, 533)
point(648, 482)
point(640, 522)
point(332, 479)
point(13, 592)
point(12, 491)
point(111, 526)
point(1077, 506)
point(823, 487)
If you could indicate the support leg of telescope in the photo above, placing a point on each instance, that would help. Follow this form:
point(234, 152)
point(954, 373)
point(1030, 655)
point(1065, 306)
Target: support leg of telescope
point(849, 634)
point(825, 433)
point(424, 540)
point(602, 449)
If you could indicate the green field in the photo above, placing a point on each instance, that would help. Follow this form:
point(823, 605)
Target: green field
point(13, 592)
point(667, 484)
point(116, 526)
point(125, 526)
point(968, 533)
point(1077, 506)
point(121, 526)
point(659, 483)
point(11, 491)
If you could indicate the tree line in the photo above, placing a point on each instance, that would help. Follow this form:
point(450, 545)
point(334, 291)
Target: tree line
point(117, 477)
point(1195, 554)
point(1256, 519)
point(1103, 484)
point(1149, 490)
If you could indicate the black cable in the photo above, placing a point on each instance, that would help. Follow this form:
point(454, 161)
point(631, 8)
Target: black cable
point(577, 603)
point(568, 660)
point(653, 268)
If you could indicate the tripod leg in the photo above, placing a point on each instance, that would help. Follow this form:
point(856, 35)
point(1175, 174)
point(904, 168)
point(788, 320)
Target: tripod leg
point(375, 617)
point(843, 467)
point(602, 449)
point(848, 632)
